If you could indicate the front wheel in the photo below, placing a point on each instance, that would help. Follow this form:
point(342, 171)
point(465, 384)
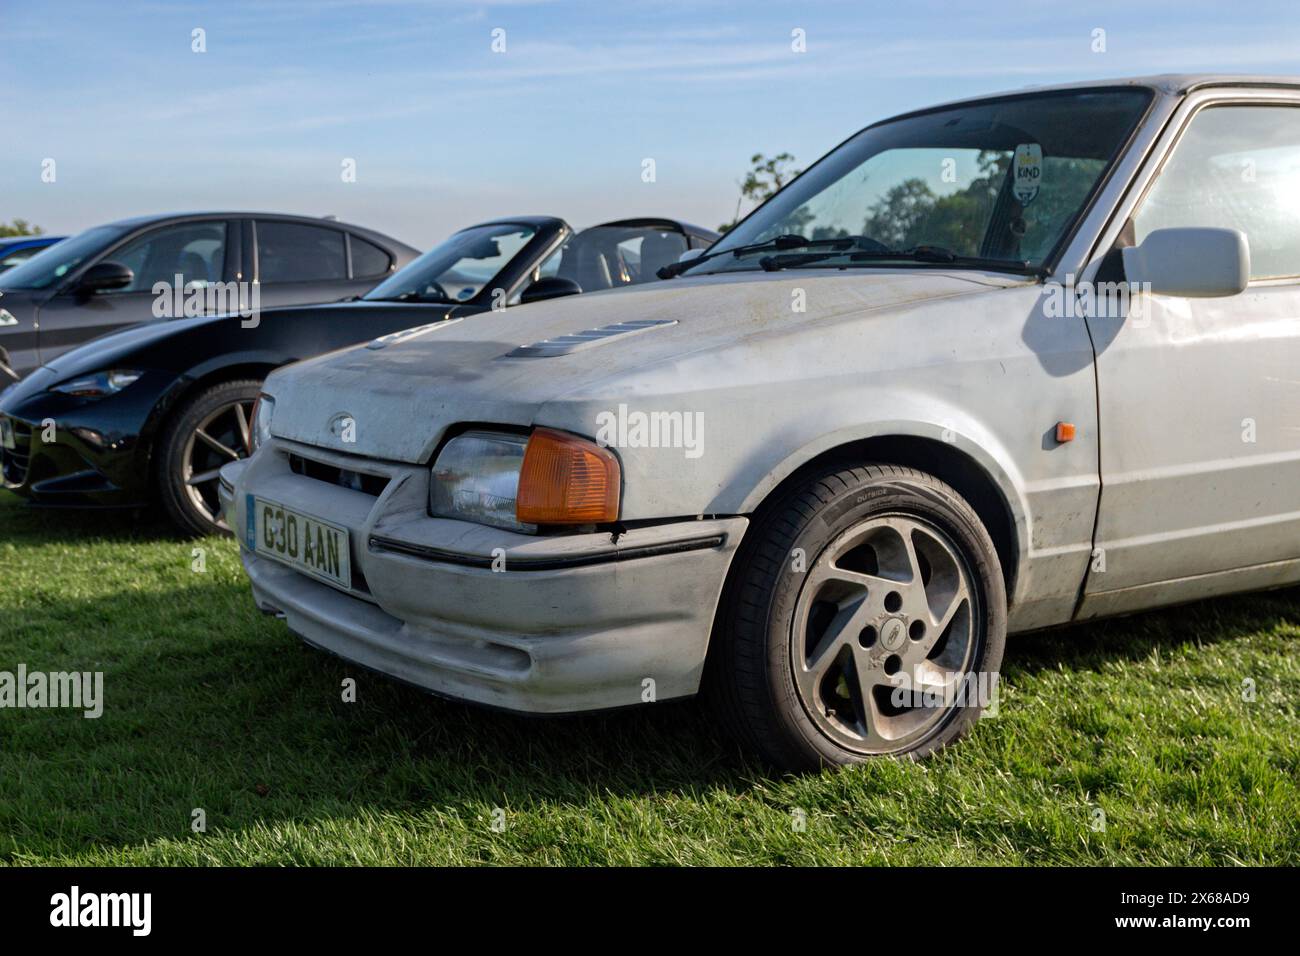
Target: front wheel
point(866, 617)
point(208, 431)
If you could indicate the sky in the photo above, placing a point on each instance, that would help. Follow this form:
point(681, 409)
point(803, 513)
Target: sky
point(457, 111)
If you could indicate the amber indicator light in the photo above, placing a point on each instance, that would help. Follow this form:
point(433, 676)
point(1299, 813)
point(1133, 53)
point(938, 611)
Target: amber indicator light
point(567, 480)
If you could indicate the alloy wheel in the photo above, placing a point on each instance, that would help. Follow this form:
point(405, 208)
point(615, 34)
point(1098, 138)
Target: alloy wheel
point(220, 438)
point(888, 606)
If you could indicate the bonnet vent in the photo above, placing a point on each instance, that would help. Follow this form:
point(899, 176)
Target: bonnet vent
point(577, 341)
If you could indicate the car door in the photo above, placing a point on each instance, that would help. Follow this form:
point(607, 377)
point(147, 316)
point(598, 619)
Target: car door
point(299, 263)
point(1199, 398)
point(196, 250)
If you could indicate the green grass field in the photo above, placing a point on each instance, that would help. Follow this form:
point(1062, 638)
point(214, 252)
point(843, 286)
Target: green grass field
point(1125, 742)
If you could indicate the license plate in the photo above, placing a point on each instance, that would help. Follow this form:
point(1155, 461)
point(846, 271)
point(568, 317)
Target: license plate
point(305, 543)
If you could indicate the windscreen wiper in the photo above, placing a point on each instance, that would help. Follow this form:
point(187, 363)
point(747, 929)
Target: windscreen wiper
point(926, 254)
point(789, 241)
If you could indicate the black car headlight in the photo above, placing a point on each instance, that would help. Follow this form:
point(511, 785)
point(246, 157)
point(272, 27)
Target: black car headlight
point(99, 384)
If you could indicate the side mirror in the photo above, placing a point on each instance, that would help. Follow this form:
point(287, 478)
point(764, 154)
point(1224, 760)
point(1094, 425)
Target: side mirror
point(103, 276)
point(552, 287)
point(1197, 262)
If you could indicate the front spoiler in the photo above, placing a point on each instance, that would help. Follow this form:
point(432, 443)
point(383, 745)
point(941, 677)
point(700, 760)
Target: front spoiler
point(527, 623)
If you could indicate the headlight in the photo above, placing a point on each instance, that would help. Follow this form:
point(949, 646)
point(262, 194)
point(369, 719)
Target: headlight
point(99, 384)
point(518, 482)
point(476, 478)
point(259, 429)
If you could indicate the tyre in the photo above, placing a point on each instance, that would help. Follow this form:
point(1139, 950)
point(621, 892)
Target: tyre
point(205, 433)
point(866, 616)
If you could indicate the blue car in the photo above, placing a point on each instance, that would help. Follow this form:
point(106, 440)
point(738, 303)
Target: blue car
point(15, 250)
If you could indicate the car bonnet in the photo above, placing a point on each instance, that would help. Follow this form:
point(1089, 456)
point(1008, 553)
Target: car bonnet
point(405, 390)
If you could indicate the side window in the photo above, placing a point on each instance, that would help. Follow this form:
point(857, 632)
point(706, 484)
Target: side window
point(1064, 187)
point(295, 252)
point(645, 255)
point(368, 260)
point(1235, 167)
point(194, 250)
point(607, 257)
point(551, 267)
point(22, 255)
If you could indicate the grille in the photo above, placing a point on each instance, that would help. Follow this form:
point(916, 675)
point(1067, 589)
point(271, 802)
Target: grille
point(372, 485)
point(14, 461)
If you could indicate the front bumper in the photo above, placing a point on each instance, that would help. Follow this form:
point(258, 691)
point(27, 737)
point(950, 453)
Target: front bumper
point(63, 451)
point(564, 623)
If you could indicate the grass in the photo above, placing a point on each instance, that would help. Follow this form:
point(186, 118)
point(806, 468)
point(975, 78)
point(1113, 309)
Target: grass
point(210, 705)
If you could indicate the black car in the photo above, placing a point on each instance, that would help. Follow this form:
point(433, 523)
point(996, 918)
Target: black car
point(153, 412)
point(110, 276)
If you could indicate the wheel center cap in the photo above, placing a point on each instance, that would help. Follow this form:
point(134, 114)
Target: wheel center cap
point(893, 634)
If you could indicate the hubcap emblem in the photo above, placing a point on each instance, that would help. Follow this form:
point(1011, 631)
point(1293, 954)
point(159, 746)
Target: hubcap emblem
point(893, 634)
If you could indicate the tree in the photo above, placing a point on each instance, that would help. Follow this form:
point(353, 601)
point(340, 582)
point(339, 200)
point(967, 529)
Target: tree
point(901, 214)
point(764, 178)
point(911, 214)
point(19, 227)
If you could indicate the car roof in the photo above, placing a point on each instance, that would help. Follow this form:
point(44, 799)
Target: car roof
point(636, 222)
point(656, 222)
point(134, 222)
point(1165, 84)
point(28, 240)
point(537, 222)
point(223, 213)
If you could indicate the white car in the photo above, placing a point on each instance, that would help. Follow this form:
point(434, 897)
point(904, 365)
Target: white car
point(987, 367)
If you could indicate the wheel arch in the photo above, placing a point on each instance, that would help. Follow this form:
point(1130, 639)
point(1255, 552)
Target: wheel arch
point(951, 456)
point(192, 383)
point(988, 490)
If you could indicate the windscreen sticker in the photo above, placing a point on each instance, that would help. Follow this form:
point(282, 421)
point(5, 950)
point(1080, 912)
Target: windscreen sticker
point(1027, 172)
